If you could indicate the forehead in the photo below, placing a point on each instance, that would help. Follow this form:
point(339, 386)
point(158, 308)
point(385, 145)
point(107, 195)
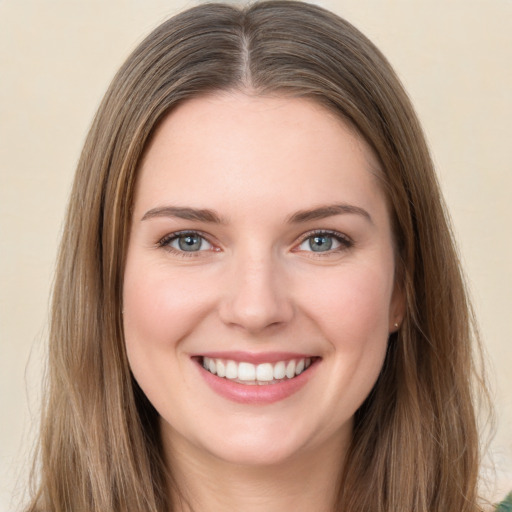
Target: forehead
point(225, 146)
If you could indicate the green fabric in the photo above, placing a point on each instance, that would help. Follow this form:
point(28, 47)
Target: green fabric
point(506, 504)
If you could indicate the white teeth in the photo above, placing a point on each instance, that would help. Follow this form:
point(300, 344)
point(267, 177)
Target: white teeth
point(221, 368)
point(265, 372)
point(261, 373)
point(246, 371)
point(290, 369)
point(231, 370)
point(280, 370)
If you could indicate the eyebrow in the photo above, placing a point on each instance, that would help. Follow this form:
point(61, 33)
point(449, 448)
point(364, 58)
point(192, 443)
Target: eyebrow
point(210, 216)
point(323, 212)
point(182, 212)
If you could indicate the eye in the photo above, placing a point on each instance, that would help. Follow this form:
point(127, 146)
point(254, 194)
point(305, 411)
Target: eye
point(189, 241)
point(324, 242)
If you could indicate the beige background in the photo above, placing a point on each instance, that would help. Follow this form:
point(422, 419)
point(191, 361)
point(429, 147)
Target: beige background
point(56, 60)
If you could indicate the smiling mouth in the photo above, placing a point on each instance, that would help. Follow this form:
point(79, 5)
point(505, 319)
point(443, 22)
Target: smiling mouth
point(256, 374)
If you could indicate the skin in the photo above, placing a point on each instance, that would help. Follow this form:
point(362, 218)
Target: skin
point(258, 286)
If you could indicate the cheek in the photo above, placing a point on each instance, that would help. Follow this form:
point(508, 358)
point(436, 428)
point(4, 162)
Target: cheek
point(351, 310)
point(353, 306)
point(160, 310)
point(159, 307)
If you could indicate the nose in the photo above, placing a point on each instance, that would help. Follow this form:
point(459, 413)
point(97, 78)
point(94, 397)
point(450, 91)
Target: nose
point(256, 297)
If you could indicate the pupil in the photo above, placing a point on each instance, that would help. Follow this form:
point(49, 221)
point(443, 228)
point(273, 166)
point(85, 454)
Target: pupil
point(321, 243)
point(190, 243)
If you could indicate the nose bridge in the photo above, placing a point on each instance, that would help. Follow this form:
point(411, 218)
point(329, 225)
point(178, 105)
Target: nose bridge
point(256, 296)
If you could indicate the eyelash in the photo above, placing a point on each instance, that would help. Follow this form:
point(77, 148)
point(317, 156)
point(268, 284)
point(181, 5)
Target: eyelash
point(165, 242)
point(344, 241)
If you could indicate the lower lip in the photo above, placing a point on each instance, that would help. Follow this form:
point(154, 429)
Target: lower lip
point(257, 394)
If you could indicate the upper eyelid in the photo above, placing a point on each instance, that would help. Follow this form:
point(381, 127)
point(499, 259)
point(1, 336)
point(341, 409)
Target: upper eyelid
point(175, 234)
point(331, 232)
point(298, 240)
point(181, 232)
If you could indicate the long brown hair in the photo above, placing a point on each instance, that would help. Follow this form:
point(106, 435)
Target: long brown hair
point(415, 441)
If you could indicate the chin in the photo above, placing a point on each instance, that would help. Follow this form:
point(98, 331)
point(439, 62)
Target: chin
point(256, 452)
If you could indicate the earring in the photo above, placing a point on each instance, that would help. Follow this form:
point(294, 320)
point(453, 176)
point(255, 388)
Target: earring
point(396, 325)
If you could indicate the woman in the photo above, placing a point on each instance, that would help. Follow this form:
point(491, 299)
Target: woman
point(258, 301)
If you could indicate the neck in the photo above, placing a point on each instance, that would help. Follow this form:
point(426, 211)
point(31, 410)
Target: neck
point(304, 482)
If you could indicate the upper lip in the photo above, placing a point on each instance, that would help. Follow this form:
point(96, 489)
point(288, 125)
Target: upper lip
point(254, 357)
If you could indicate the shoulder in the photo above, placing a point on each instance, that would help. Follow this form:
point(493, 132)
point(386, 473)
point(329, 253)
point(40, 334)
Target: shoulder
point(505, 505)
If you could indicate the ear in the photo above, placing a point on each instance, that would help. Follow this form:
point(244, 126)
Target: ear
point(396, 307)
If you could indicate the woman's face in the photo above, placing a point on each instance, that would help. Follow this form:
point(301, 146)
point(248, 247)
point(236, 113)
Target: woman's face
point(261, 249)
